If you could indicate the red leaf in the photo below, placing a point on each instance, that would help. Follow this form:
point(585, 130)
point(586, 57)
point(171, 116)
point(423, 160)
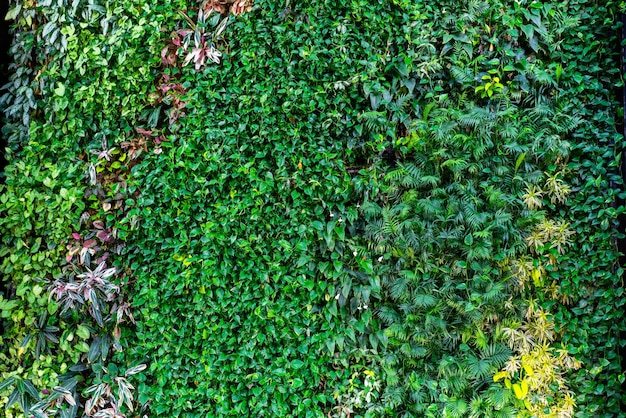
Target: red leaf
point(103, 235)
point(76, 235)
point(164, 52)
point(144, 131)
point(89, 243)
point(98, 224)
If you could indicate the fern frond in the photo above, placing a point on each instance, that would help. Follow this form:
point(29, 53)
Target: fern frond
point(563, 22)
point(398, 288)
point(413, 350)
point(496, 354)
point(371, 209)
point(455, 409)
point(388, 315)
point(397, 331)
point(393, 395)
point(429, 181)
point(463, 75)
point(513, 147)
point(419, 397)
point(430, 206)
point(459, 384)
point(495, 291)
point(375, 121)
point(424, 301)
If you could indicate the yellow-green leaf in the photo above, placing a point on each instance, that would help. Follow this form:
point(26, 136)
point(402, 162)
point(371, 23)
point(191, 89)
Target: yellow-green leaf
point(529, 370)
point(499, 375)
point(524, 388)
point(521, 390)
point(519, 161)
point(83, 332)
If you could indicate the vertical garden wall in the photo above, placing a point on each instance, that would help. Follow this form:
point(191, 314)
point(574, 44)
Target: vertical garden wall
point(402, 209)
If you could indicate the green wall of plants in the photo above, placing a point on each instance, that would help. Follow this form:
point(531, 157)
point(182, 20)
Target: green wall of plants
point(402, 209)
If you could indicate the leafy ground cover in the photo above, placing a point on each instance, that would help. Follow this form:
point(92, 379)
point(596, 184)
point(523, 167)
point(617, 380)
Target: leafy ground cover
point(357, 209)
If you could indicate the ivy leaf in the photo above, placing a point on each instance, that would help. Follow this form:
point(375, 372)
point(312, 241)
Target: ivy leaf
point(59, 90)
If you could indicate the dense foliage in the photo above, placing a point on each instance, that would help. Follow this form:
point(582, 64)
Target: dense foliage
point(499, 192)
point(401, 208)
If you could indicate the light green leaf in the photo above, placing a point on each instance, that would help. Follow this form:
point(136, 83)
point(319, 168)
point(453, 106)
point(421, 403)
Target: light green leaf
point(60, 90)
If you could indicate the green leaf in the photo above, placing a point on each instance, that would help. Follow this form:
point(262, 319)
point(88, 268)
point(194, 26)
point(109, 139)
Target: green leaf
point(528, 31)
point(519, 161)
point(297, 364)
point(558, 72)
point(469, 239)
point(13, 12)
point(13, 397)
point(59, 90)
point(30, 389)
point(6, 383)
point(6, 306)
point(83, 332)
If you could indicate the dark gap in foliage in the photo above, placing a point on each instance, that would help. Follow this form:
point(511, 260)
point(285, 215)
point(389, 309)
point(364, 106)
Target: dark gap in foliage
point(390, 155)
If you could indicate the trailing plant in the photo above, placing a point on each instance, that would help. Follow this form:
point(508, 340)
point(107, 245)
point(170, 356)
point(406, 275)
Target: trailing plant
point(59, 207)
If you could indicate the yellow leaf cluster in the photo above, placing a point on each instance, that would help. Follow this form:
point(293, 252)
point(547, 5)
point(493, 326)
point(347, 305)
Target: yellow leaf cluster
point(537, 369)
